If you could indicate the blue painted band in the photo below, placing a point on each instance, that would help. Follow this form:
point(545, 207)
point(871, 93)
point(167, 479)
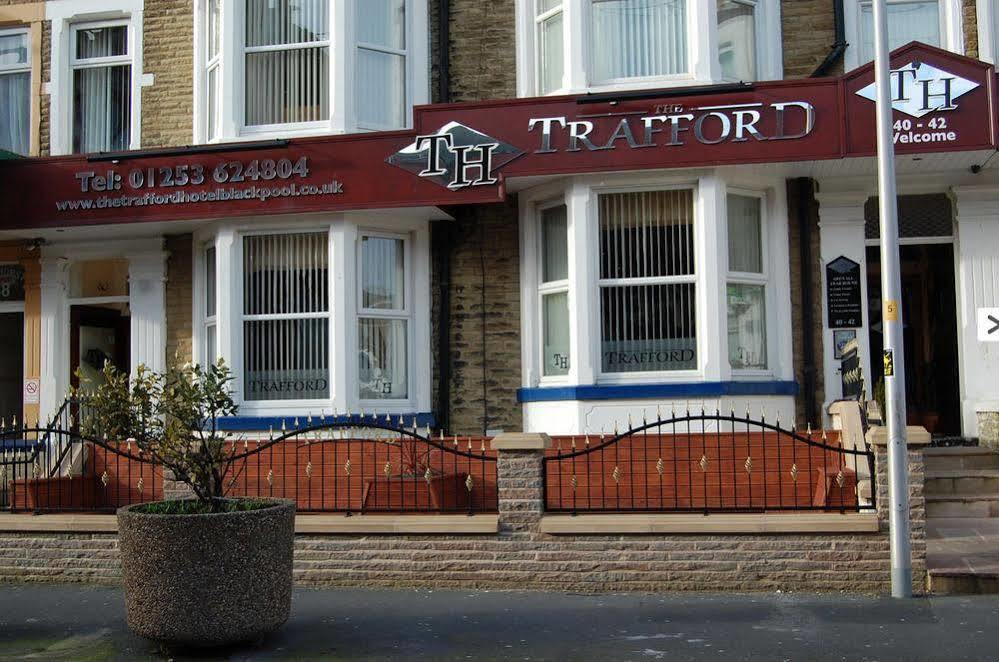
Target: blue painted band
point(276, 423)
point(650, 391)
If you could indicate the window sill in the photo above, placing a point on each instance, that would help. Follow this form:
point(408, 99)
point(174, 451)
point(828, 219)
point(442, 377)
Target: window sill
point(304, 524)
point(267, 423)
point(658, 390)
point(722, 523)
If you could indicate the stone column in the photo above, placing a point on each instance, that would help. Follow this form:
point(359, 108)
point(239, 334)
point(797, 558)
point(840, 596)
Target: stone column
point(520, 483)
point(918, 439)
point(54, 334)
point(147, 301)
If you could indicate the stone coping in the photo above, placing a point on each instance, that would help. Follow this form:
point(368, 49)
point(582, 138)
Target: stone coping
point(723, 523)
point(521, 441)
point(304, 524)
point(916, 435)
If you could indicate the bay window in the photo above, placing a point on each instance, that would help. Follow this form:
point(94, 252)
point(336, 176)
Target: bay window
point(935, 22)
point(640, 285)
point(554, 292)
point(737, 28)
point(210, 323)
point(287, 61)
point(15, 90)
point(380, 80)
point(918, 20)
point(213, 75)
point(567, 46)
point(286, 317)
point(294, 67)
point(638, 38)
point(383, 319)
point(746, 287)
point(102, 87)
point(647, 282)
point(318, 317)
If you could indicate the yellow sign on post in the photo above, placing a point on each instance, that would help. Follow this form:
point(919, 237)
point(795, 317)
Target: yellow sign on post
point(891, 311)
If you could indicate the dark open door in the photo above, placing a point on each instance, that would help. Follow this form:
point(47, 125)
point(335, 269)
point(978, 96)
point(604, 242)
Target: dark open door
point(98, 334)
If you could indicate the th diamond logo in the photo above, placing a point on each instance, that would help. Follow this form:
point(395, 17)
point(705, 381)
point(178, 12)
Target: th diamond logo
point(456, 157)
point(918, 89)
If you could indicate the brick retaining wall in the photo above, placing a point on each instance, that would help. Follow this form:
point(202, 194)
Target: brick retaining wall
point(520, 556)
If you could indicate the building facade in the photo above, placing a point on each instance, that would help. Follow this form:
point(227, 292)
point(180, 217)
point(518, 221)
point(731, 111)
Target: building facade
point(608, 208)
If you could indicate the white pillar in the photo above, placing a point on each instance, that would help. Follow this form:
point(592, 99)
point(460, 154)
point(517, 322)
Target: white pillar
point(711, 249)
point(841, 232)
point(975, 250)
point(54, 335)
point(147, 304)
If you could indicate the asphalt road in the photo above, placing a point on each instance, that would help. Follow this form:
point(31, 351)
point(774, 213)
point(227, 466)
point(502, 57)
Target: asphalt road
point(81, 623)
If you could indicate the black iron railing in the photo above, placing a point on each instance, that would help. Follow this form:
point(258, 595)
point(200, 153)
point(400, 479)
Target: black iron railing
point(353, 464)
point(708, 463)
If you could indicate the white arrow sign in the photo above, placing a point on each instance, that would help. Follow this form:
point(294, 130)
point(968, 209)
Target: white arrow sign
point(988, 324)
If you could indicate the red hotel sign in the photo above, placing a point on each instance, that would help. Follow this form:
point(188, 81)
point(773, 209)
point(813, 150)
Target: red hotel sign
point(460, 154)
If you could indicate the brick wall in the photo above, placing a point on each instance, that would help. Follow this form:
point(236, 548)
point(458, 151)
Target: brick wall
point(798, 328)
point(179, 293)
point(482, 49)
point(917, 508)
point(519, 556)
point(808, 29)
point(168, 54)
point(971, 28)
point(485, 267)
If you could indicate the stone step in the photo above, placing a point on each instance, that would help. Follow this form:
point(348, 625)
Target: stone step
point(962, 481)
point(960, 457)
point(945, 582)
point(962, 505)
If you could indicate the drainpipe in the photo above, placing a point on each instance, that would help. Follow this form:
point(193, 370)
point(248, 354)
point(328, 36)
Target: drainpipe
point(442, 248)
point(443, 52)
point(804, 191)
point(839, 46)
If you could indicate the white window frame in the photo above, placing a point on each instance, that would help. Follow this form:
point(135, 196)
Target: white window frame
point(551, 287)
point(343, 46)
point(703, 65)
point(23, 67)
point(208, 321)
point(689, 279)
point(752, 278)
point(64, 17)
point(988, 40)
point(240, 68)
point(405, 313)
point(951, 28)
point(761, 15)
point(239, 317)
point(213, 64)
point(407, 91)
point(76, 64)
point(344, 232)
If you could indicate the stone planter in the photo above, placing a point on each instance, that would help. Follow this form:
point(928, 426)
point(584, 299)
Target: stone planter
point(207, 580)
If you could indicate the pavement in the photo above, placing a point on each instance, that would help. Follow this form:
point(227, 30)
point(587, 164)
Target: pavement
point(963, 545)
point(53, 622)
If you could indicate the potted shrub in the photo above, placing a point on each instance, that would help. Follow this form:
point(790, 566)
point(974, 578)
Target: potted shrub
point(208, 570)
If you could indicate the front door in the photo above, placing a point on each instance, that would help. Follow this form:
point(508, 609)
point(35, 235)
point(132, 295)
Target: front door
point(98, 334)
point(929, 309)
point(11, 365)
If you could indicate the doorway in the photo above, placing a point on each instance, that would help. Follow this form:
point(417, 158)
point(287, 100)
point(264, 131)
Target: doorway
point(97, 334)
point(11, 365)
point(929, 313)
